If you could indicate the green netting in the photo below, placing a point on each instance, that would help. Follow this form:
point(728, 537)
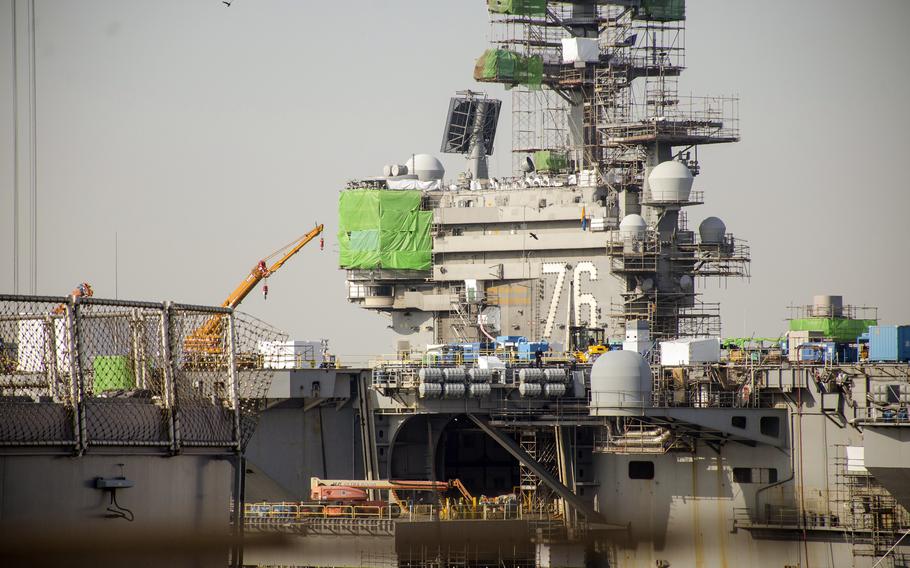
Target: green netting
point(518, 7)
point(837, 329)
point(504, 66)
point(662, 10)
point(550, 161)
point(383, 229)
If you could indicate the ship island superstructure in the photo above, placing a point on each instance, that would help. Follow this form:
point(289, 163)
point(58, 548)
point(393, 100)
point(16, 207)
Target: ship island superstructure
point(554, 355)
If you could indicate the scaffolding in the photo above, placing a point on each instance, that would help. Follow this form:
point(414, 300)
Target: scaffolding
point(872, 516)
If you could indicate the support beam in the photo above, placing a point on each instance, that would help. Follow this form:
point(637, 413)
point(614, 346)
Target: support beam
point(513, 448)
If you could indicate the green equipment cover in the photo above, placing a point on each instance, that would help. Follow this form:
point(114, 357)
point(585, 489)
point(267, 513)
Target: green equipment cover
point(518, 7)
point(662, 10)
point(504, 66)
point(550, 161)
point(383, 229)
point(837, 329)
point(112, 372)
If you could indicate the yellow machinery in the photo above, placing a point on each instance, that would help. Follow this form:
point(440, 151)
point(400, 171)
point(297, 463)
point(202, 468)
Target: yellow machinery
point(587, 343)
point(208, 337)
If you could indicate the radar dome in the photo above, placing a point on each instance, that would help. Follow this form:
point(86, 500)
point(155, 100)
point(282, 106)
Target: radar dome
point(427, 167)
point(712, 231)
point(620, 384)
point(670, 181)
point(632, 226)
point(686, 282)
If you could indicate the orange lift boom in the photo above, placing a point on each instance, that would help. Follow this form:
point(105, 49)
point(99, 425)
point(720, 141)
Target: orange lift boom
point(207, 338)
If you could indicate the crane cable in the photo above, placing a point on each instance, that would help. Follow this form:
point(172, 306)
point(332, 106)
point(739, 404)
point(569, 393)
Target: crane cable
point(287, 246)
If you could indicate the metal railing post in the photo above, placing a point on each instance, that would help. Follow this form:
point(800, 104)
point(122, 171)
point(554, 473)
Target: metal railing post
point(170, 391)
point(77, 387)
point(234, 381)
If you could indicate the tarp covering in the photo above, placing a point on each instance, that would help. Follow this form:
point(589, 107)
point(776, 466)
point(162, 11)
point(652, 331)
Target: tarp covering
point(504, 66)
point(662, 10)
point(414, 184)
point(383, 229)
point(518, 7)
point(550, 161)
point(837, 329)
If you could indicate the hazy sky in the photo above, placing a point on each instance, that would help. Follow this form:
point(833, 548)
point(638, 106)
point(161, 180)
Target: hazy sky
point(207, 136)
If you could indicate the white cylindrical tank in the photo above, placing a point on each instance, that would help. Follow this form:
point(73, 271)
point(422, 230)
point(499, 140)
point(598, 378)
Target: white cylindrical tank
point(632, 226)
point(387, 171)
point(454, 374)
point(827, 306)
point(555, 375)
point(670, 181)
point(427, 167)
point(479, 389)
point(620, 384)
point(476, 375)
point(453, 390)
point(429, 390)
point(399, 170)
point(553, 390)
point(531, 375)
point(529, 389)
point(430, 375)
point(712, 231)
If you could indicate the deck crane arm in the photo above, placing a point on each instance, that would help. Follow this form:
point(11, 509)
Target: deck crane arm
point(206, 337)
point(261, 270)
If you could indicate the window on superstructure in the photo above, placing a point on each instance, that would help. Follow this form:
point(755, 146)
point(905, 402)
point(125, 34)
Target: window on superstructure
point(641, 470)
point(770, 426)
point(754, 475)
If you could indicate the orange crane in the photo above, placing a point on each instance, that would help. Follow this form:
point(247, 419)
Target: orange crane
point(355, 490)
point(208, 337)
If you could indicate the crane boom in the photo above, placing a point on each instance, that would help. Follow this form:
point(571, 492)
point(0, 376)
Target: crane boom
point(207, 338)
point(261, 271)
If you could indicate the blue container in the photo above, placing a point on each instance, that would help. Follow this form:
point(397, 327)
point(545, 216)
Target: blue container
point(510, 340)
point(818, 352)
point(889, 343)
point(847, 353)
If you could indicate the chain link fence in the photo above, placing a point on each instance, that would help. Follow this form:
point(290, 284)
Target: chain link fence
point(92, 372)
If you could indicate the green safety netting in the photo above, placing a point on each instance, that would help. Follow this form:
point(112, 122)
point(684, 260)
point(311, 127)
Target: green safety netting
point(518, 7)
point(383, 229)
point(837, 329)
point(504, 66)
point(662, 10)
point(550, 161)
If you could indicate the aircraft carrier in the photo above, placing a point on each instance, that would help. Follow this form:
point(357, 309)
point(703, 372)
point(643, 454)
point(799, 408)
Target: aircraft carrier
point(557, 378)
point(559, 393)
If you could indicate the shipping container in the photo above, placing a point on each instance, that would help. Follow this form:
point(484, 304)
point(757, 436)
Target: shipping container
point(889, 343)
point(689, 351)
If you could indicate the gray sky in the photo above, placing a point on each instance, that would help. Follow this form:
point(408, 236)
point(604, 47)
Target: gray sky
point(208, 136)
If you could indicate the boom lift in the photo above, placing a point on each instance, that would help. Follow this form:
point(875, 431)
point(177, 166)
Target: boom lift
point(208, 337)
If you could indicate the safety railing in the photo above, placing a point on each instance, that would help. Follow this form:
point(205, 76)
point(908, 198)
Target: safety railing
point(84, 372)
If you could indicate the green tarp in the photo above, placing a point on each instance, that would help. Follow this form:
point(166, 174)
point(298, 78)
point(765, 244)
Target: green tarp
point(518, 7)
point(550, 161)
point(662, 10)
point(837, 329)
point(383, 229)
point(112, 372)
point(504, 66)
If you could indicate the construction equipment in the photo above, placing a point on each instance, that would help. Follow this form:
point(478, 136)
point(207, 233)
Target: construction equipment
point(587, 343)
point(208, 337)
point(83, 290)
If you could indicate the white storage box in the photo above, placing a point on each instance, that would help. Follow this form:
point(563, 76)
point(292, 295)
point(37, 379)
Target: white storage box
point(580, 49)
point(689, 351)
point(291, 354)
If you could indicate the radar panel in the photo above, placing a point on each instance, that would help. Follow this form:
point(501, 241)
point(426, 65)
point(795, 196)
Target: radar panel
point(470, 116)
